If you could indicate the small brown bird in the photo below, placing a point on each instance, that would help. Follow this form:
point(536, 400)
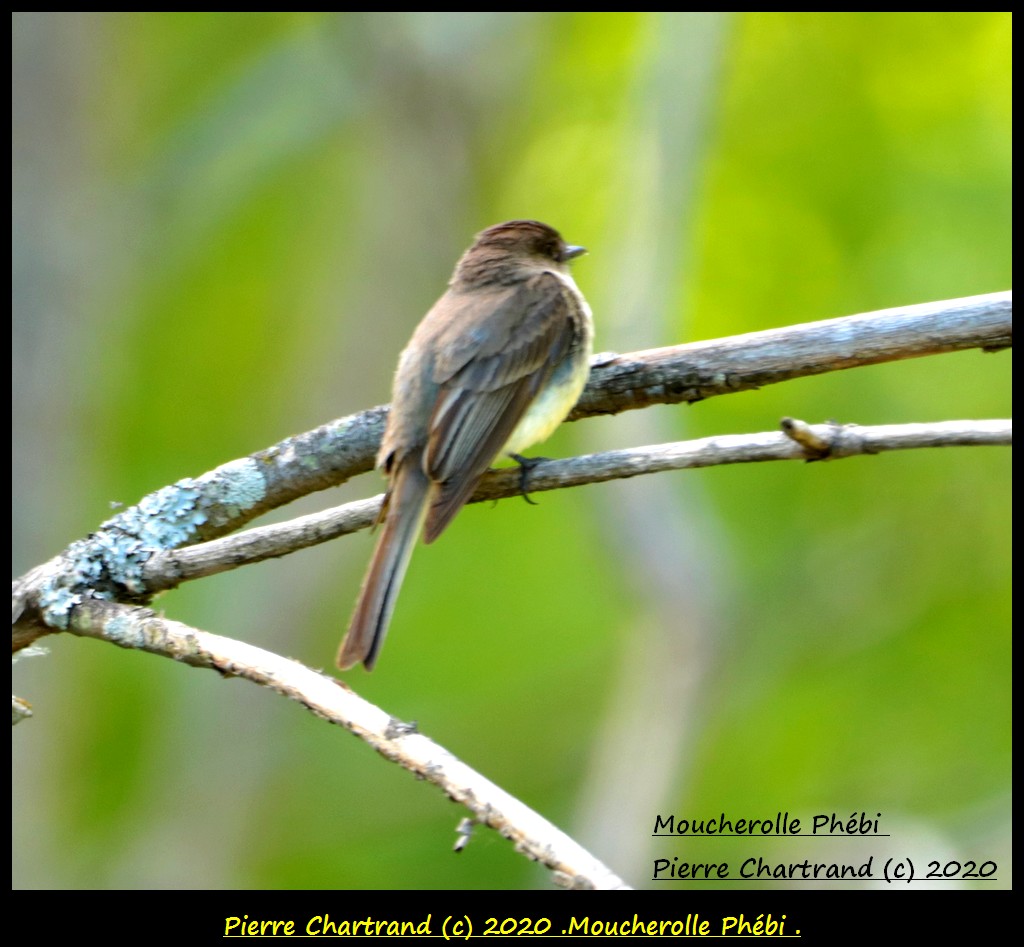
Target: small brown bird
point(493, 368)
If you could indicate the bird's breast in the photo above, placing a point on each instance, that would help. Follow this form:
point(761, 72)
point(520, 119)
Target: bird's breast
point(559, 396)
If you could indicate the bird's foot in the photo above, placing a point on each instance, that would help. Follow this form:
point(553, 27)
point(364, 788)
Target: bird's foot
point(526, 464)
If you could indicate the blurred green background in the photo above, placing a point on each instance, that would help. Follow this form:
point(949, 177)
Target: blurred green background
point(225, 227)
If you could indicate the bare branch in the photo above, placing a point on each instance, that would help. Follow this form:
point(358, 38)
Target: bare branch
point(167, 570)
point(723, 366)
point(331, 700)
point(799, 441)
point(844, 440)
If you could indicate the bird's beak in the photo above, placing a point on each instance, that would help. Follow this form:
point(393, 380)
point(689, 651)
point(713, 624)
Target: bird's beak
point(570, 253)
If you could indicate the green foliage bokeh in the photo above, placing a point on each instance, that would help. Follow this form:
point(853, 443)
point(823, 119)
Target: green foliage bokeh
point(226, 226)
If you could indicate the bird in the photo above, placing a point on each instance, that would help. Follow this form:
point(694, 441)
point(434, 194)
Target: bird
point(492, 369)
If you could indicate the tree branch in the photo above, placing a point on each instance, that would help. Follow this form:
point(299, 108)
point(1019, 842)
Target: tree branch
point(127, 559)
point(333, 701)
point(723, 366)
point(140, 551)
point(797, 441)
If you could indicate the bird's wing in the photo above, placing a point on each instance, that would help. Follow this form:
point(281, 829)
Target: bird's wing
point(487, 380)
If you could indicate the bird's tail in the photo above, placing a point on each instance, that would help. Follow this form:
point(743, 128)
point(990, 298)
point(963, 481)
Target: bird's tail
point(407, 506)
